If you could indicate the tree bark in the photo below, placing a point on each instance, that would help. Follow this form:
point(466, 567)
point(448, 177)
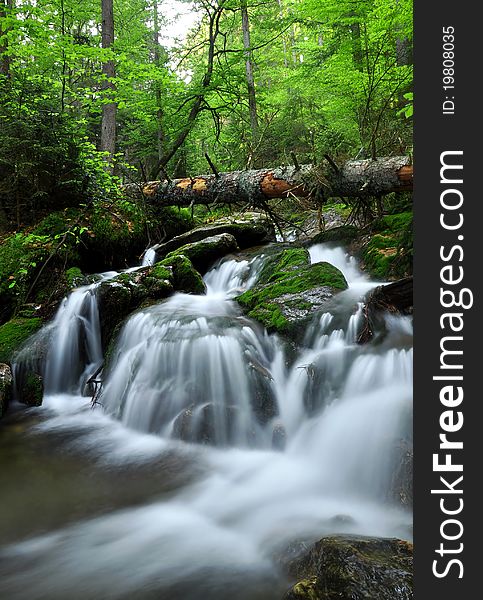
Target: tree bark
point(358, 178)
point(252, 99)
point(108, 125)
point(6, 8)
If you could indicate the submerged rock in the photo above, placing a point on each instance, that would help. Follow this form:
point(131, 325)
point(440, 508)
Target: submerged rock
point(289, 289)
point(352, 568)
point(6, 381)
point(208, 250)
point(204, 424)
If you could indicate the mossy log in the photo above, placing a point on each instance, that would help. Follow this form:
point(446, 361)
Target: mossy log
point(355, 178)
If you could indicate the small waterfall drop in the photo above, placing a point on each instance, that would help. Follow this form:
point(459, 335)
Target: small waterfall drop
point(149, 258)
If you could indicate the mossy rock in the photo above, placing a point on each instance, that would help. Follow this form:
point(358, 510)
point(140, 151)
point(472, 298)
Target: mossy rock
point(75, 278)
point(6, 381)
point(353, 568)
point(344, 234)
point(125, 293)
point(31, 390)
point(289, 290)
point(14, 333)
point(388, 253)
point(185, 277)
point(204, 253)
point(251, 230)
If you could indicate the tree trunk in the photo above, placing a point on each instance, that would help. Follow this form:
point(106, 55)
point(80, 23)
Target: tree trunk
point(108, 126)
point(6, 8)
point(252, 100)
point(358, 178)
point(159, 99)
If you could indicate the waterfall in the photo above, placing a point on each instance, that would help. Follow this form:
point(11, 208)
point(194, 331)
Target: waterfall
point(149, 257)
point(285, 445)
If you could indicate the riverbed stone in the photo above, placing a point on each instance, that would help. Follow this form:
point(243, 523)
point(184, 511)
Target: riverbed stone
point(352, 568)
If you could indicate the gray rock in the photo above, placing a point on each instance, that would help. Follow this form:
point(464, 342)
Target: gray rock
point(6, 382)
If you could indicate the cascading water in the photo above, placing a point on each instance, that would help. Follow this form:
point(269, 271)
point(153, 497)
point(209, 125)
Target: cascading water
point(194, 368)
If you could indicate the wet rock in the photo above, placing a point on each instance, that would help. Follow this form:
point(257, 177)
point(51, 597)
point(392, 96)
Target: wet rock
point(289, 290)
point(209, 424)
point(251, 230)
point(401, 489)
point(352, 568)
point(6, 381)
point(31, 389)
point(204, 253)
point(120, 296)
point(185, 277)
point(343, 234)
point(279, 437)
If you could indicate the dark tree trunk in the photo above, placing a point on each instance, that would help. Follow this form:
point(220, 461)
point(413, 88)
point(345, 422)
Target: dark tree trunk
point(252, 99)
point(108, 125)
point(354, 179)
point(6, 8)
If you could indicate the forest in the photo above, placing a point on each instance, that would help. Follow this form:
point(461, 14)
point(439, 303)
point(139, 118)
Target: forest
point(206, 299)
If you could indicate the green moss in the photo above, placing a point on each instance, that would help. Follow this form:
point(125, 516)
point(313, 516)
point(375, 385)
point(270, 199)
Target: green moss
point(305, 590)
point(205, 252)
point(74, 277)
point(379, 255)
point(271, 316)
point(186, 277)
point(32, 390)
point(344, 234)
point(161, 271)
point(280, 263)
point(318, 275)
point(265, 302)
point(394, 223)
point(14, 333)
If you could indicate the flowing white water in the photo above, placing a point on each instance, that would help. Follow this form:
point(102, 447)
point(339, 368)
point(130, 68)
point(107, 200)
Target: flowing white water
point(149, 257)
point(194, 368)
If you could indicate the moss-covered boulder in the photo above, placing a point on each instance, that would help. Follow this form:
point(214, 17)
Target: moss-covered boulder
point(289, 289)
point(343, 234)
point(121, 295)
point(185, 277)
point(6, 381)
point(14, 333)
point(251, 230)
point(353, 568)
point(204, 253)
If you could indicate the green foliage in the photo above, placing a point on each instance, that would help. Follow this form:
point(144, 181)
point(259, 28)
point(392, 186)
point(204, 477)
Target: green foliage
point(14, 333)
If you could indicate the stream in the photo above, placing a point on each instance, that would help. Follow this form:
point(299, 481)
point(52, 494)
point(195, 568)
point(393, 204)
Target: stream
point(211, 448)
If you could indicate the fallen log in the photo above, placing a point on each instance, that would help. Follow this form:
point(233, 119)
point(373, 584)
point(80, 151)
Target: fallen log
point(356, 178)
